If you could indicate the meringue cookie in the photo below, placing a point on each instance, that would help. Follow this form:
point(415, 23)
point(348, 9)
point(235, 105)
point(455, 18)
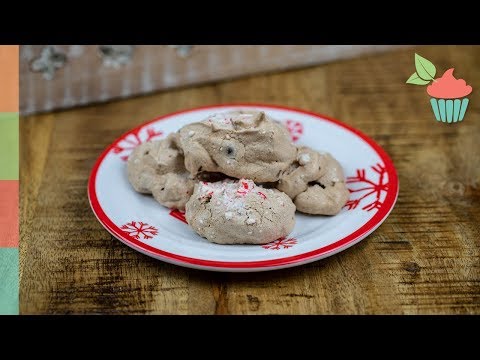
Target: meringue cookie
point(315, 182)
point(239, 212)
point(240, 144)
point(157, 167)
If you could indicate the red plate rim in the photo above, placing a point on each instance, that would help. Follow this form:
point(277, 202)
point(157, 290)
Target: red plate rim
point(337, 246)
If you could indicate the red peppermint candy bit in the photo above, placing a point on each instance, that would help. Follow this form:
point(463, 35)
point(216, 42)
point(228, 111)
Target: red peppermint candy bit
point(207, 195)
point(262, 195)
point(245, 189)
point(295, 128)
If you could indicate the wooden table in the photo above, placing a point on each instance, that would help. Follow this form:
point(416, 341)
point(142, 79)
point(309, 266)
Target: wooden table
point(425, 258)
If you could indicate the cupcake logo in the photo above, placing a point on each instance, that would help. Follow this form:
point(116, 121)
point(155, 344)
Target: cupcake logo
point(448, 95)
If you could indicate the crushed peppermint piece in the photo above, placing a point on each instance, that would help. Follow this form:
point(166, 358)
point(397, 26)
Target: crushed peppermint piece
point(220, 119)
point(246, 188)
point(136, 161)
point(250, 233)
point(304, 159)
point(191, 133)
point(231, 197)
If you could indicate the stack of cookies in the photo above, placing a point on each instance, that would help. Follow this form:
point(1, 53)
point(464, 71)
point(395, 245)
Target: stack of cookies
point(238, 177)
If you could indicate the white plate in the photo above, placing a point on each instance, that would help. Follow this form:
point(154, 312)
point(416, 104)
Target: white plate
point(143, 224)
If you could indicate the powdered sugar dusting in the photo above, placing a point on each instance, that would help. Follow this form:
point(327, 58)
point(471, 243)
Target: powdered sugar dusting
point(226, 120)
point(304, 159)
point(230, 196)
point(220, 120)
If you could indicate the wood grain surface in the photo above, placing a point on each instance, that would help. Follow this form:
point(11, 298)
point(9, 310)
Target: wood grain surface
point(425, 258)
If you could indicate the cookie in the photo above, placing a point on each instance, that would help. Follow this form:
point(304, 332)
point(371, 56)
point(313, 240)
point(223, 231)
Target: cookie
point(315, 182)
point(239, 212)
point(308, 166)
point(157, 168)
point(240, 144)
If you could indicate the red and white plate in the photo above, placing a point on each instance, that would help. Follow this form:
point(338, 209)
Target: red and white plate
point(143, 224)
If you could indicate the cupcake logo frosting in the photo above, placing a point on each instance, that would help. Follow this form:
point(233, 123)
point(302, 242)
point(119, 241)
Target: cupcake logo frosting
point(448, 94)
point(447, 87)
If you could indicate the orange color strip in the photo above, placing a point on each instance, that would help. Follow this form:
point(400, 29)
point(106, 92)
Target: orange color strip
point(9, 78)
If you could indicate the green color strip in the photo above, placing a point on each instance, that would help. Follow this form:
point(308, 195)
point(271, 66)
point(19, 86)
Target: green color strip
point(8, 146)
point(8, 281)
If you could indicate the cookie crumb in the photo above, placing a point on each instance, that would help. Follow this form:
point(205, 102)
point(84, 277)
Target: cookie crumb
point(251, 221)
point(191, 133)
point(304, 159)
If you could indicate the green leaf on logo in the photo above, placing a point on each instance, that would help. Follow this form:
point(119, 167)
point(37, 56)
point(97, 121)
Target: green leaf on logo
point(425, 69)
point(415, 80)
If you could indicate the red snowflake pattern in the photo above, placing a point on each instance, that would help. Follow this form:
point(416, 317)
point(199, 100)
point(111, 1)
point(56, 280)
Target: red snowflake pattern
point(295, 128)
point(177, 214)
point(132, 140)
point(137, 229)
point(281, 243)
point(367, 188)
